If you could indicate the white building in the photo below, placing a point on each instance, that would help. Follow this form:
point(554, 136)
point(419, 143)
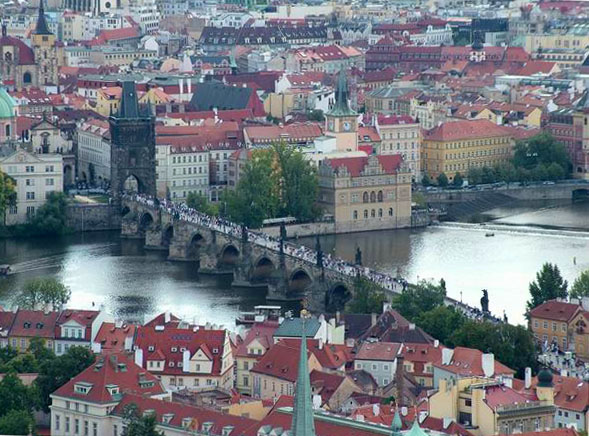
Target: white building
point(94, 152)
point(35, 176)
point(146, 14)
point(77, 328)
point(231, 19)
point(379, 359)
point(401, 134)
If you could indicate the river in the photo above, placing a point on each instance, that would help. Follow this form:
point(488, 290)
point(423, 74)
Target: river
point(102, 269)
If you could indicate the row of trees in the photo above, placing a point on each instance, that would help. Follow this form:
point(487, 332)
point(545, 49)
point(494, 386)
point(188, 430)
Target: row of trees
point(276, 182)
point(423, 304)
point(539, 158)
point(550, 284)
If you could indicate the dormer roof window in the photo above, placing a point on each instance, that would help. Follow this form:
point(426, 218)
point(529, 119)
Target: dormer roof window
point(82, 388)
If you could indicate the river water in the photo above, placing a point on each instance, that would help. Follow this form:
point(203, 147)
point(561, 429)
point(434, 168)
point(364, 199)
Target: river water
point(102, 269)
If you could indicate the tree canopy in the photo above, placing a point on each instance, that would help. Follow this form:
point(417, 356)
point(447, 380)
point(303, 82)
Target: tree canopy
point(549, 284)
point(139, 425)
point(201, 203)
point(580, 287)
point(541, 150)
point(43, 293)
point(368, 297)
point(7, 194)
point(418, 298)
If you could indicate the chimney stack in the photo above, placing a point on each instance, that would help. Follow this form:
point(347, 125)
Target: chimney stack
point(528, 378)
point(488, 364)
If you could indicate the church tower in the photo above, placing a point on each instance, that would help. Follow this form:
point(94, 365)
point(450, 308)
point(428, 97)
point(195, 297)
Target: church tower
point(43, 42)
point(341, 122)
point(132, 146)
point(303, 422)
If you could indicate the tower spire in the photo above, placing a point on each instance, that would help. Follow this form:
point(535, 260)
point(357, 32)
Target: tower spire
point(42, 28)
point(129, 106)
point(302, 418)
point(341, 106)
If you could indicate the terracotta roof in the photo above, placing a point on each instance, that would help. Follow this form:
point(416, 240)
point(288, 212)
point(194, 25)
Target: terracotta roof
point(34, 323)
point(565, 431)
point(177, 412)
point(289, 132)
point(536, 67)
point(6, 320)
point(368, 133)
point(84, 318)
point(226, 115)
point(386, 351)
point(331, 356)
point(112, 338)
point(387, 120)
point(355, 165)
point(26, 55)
point(496, 396)
point(570, 393)
point(115, 369)
point(468, 362)
point(420, 355)
point(467, 129)
point(261, 332)
point(325, 384)
point(555, 310)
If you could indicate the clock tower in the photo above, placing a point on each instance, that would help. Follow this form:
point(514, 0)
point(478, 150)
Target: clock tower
point(43, 44)
point(341, 122)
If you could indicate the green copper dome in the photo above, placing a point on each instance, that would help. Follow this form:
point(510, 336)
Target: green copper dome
point(416, 430)
point(7, 104)
point(545, 378)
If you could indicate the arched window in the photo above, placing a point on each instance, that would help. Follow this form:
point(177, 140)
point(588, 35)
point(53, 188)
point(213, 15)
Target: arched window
point(355, 214)
point(379, 196)
point(390, 211)
point(7, 130)
point(365, 213)
point(26, 78)
point(372, 197)
point(365, 197)
point(380, 213)
point(372, 213)
point(8, 57)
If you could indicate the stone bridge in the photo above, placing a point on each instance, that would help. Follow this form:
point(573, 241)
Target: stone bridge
point(287, 277)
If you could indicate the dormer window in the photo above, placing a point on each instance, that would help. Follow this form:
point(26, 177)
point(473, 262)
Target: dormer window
point(179, 365)
point(183, 349)
point(186, 422)
point(174, 349)
point(82, 388)
point(171, 364)
point(167, 417)
point(215, 350)
point(112, 389)
point(39, 325)
point(207, 426)
point(27, 325)
point(150, 348)
point(227, 430)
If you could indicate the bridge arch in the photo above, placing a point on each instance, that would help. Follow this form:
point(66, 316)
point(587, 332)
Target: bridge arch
point(167, 235)
point(298, 282)
point(580, 194)
point(337, 297)
point(146, 220)
point(195, 243)
point(229, 254)
point(125, 210)
point(262, 268)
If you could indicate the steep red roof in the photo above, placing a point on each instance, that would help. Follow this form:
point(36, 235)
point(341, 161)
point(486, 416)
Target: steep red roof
point(325, 384)
point(261, 332)
point(570, 393)
point(555, 310)
point(25, 53)
point(179, 411)
point(115, 369)
point(115, 34)
point(468, 362)
point(465, 129)
point(387, 120)
point(112, 338)
point(330, 356)
point(34, 323)
point(289, 132)
point(536, 67)
point(496, 396)
point(386, 351)
point(84, 318)
point(355, 165)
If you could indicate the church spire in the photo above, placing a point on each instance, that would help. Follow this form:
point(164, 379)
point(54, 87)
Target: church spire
point(341, 106)
point(129, 106)
point(42, 28)
point(397, 424)
point(302, 418)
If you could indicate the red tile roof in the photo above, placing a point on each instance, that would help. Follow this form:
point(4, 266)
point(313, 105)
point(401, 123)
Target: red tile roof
point(536, 67)
point(386, 351)
point(112, 338)
point(261, 332)
point(26, 55)
point(565, 431)
point(468, 362)
point(34, 323)
point(467, 129)
point(114, 369)
point(570, 393)
point(496, 396)
point(6, 320)
point(290, 132)
point(84, 318)
point(179, 411)
point(355, 165)
point(386, 120)
point(330, 356)
point(555, 310)
point(325, 384)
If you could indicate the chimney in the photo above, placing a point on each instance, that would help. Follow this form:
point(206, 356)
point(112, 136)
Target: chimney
point(321, 343)
point(360, 418)
point(374, 317)
point(488, 364)
point(139, 357)
point(316, 402)
point(436, 343)
point(376, 409)
point(181, 85)
point(422, 416)
point(186, 361)
point(528, 378)
point(216, 112)
point(189, 86)
point(447, 356)
point(585, 303)
point(338, 316)
point(564, 373)
point(411, 326)
point(167, 317)
point(128, 343)
point(447, 422)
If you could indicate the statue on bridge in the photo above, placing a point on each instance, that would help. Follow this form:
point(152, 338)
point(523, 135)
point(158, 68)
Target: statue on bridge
point(358, 256)
point(485, 302)
point(319, 252)
point(244, 233)
point(282, 231)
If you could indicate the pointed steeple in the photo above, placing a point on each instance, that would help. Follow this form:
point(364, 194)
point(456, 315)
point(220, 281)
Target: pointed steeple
point(42, 28)
point(129, 106)
point(302, 418)
point(341, 106)
point(397, 424)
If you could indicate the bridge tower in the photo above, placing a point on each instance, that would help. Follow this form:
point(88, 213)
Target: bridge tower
point(132, 156)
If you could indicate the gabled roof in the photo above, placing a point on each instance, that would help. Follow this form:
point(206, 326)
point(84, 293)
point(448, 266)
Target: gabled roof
point(468, 362)
point(465, 129)
point(260, 332)
point(216, 95)
point(385, 351)
point(555, 310)
point(34, 323)
point(356, 165)
point(26, 56)
point(112, 337)
point(112, 370)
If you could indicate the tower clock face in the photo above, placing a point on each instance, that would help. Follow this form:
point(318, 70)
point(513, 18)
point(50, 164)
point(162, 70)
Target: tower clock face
point(347, 126)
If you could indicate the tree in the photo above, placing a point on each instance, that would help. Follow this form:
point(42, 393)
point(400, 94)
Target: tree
point(56, 372)
point(488, 175)
point(298, 184)
point(549, 285)
point(541, 149)
point(17, 422)
point(201, 203)
point(580, 287)
point(426, 181)
point(442, 180)
point(458, 181)
point(50, 219)
point(256, 196)
point(555, 171)
point(14, 395)
point(475, 175)
point(316, 115)
point(418, 298)
point(43, 293)
point(368, 297)
point(511, 345)
point(7, 194)
point(137, 425)
point(441, 322)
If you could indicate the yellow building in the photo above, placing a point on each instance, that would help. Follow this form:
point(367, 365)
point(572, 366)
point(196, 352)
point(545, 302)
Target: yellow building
point(488, 407)
point(456, 146)
point(554, 322)
point(366, 193)
point(108, 100)
point(29, 324)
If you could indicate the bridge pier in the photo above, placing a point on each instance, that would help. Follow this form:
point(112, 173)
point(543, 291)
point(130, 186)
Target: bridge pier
point(153, 239)
point(130, 229)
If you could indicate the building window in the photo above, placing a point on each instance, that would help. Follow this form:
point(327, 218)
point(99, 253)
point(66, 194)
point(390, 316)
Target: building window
point(365, 214)
point(355, 214)
point(77, 426)
point(67, 424)
point(390, 211)
point(57, 422)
